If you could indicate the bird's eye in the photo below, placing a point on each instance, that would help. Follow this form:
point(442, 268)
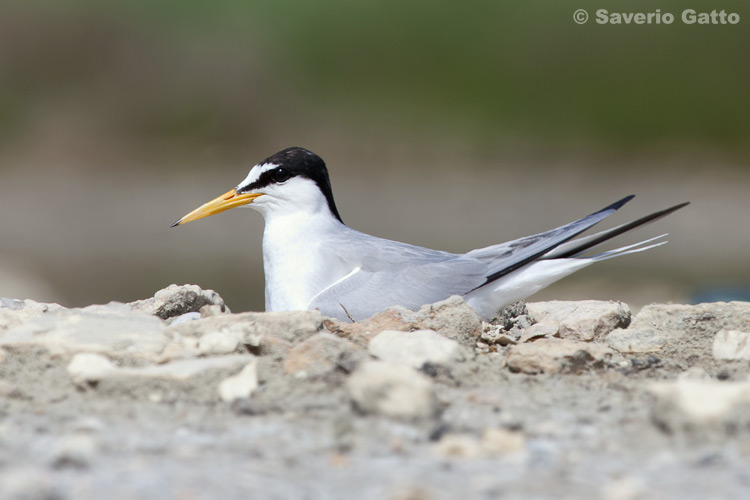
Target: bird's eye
point(281, 175)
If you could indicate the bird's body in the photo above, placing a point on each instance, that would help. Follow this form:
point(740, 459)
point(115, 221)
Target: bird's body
point(312, 260)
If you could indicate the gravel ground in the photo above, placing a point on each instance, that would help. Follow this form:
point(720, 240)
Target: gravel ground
point(175, 397)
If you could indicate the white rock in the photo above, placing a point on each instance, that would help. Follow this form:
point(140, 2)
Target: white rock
point(219, 342)
point(242, 385)
point(414, 348)
point(183, 369)
point(581, 320)
point(89, 367)
point(392, 390)
point(698, 410)
point(113, 329)
point(558, 355)
point(14, 312)
point(731, 344)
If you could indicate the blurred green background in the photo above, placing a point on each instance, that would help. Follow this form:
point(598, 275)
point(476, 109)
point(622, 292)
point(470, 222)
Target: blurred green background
point(445, 124)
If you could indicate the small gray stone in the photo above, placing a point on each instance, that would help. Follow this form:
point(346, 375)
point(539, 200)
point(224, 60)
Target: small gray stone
point(177, 300)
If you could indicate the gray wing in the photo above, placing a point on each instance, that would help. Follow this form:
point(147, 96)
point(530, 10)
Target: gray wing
point(366, 291)
point(393, 273)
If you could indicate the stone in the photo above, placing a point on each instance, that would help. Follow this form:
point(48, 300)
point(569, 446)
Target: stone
point(242, 385)
point(700, 409)
point(496, 442)
point(219, 342)
point(731, 344)
point(559, 356)
point(453, 318)
point(317, 356)
point(361, 332)
point(581, 320)
point(625, 488)
point(15, 312)
point(397, 391)
point(664, 327)
point(260, 331)
point(414, 349)
point(74, 451)
point(184, 318)
point(635, 341)
point(182, 370)
point(113, 330)
point(461, 446)
point(89, 367)
point(539, 330)
point(178, 300)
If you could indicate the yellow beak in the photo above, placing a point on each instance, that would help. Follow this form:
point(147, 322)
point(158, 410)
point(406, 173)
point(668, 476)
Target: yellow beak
point(223, 203)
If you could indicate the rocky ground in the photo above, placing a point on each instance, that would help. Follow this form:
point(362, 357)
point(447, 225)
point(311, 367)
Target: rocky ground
point(175, 397)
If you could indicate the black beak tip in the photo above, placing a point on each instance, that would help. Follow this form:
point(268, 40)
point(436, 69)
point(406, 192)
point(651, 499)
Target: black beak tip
point(176, 223)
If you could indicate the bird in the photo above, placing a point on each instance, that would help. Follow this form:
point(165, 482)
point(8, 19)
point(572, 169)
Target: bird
point(312, 260)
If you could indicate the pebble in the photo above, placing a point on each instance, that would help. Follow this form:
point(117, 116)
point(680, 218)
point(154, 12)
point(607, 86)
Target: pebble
point(219, 342)
point(242, 385)
point(89, 367)
point(392, 390)
point(539, 330)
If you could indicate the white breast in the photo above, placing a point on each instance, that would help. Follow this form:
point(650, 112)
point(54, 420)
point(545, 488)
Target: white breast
point(299, 260)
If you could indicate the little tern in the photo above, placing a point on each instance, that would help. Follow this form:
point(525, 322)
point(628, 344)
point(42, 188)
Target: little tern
point(312, 260)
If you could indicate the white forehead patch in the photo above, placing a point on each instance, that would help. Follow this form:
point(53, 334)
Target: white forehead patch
point(255, 172)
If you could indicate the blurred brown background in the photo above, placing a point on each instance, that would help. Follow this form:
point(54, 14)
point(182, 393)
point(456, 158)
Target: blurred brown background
point(449, 126)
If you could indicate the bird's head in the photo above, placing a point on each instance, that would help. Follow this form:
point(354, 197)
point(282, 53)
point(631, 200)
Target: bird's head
point(291, 180)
